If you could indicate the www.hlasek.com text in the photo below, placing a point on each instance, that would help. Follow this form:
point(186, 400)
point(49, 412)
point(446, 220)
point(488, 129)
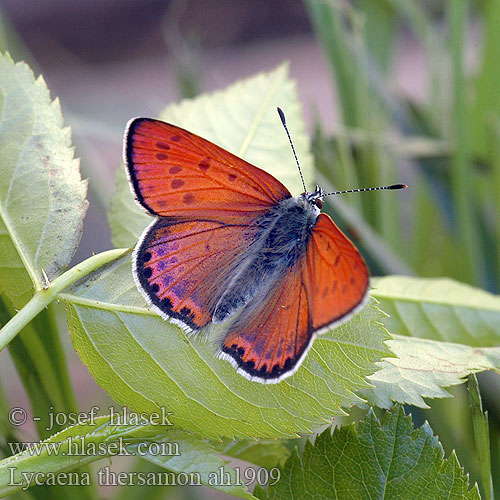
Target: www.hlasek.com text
point(85, 446)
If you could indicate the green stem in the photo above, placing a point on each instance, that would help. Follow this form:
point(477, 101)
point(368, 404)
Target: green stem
point(43, 298)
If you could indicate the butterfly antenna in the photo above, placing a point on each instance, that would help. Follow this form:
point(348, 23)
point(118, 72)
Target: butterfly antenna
point(283, 121)
point(392, 186)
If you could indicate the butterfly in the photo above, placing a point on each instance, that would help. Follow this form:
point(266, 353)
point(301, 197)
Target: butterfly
point(230, 245)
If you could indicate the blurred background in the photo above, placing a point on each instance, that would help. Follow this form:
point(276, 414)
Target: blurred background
point(392, 91)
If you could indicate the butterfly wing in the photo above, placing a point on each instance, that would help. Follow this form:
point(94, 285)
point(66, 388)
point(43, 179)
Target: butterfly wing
point(182, 267)
point(325, 287)
point(335, 275)
point(267, 341)
point(176, 173)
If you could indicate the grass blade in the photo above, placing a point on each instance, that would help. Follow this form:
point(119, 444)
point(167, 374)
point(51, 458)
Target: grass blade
point(482, 436)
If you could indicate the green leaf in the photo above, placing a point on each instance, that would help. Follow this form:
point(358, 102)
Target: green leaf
point(242, 119)
point(41, 365)
point(39, 361)
point(264, 453)
point(42, 197)
point(374, 459)
point(126, 219)
point(326, 19)
point(8, 433)
point(42, 298)
point(423, 367)
point(147, 363)
point(461, 168)
point(381, 21)
point(439, 309)
point(174, 450)
point(145, 491)
point(195, 456)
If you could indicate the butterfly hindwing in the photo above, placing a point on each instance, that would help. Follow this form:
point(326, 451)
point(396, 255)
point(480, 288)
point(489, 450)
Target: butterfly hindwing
point(174, 172)
point(269, 339)
point(182, 267)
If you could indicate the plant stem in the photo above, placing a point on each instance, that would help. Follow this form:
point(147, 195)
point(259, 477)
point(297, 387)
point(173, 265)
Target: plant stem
point(43, 298)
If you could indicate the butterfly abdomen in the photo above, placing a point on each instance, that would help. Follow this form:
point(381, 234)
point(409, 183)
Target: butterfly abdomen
point(284, 234)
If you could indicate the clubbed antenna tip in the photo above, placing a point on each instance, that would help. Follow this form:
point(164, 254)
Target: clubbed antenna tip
point(282, 115)
point(283, 121)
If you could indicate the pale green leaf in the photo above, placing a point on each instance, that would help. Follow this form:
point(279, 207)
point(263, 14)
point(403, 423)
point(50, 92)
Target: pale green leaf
point(242, 119)
point(175, 450)
point(423, 367)
point(433, 311)
point(42, 197)
point(439, 309)
point(146, 363)
point(374, 459)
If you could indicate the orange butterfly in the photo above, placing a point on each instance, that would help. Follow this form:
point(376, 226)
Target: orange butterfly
point(230, 243)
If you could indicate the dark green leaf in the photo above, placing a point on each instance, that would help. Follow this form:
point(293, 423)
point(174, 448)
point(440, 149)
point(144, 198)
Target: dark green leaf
point(374, 459)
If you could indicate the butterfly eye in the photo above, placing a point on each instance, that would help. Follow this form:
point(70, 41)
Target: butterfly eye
point(319, 203)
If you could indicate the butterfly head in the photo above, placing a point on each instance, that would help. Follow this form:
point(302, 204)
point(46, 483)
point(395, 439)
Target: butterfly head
point(313, 200)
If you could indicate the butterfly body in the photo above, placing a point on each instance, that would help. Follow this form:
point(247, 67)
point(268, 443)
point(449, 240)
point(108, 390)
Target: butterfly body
point(231, 246)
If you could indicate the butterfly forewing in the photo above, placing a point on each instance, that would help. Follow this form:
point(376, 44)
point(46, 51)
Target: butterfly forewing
point(177, 173)
point(335, 275)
